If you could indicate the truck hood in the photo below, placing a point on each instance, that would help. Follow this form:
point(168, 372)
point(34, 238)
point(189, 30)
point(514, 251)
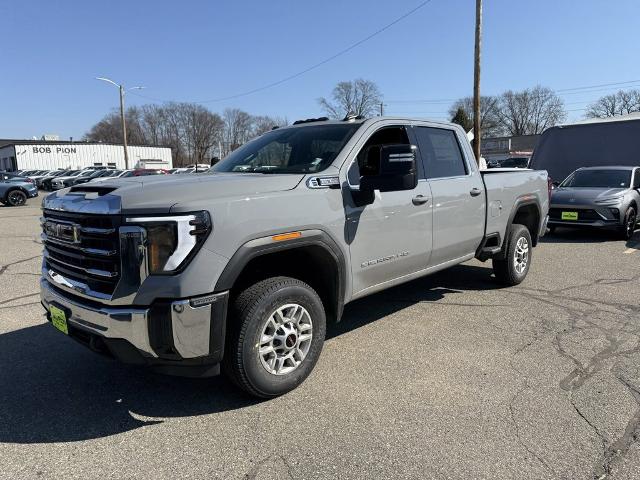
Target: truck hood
point(583, 195)
point(159, 193)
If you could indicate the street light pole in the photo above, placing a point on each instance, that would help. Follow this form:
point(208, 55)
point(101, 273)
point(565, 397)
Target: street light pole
point(122, 91)
point(124, 128)
point(476, 83)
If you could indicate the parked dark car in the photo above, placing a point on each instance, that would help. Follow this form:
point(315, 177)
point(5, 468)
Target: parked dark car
point(511, 162)
point(602, 197)
point(87, 178)
point(46, 182)
point(40, 182)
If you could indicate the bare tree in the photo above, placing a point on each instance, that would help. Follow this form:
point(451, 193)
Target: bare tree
point(621, 103)
point(237, 128)
point(358, 97)
point(201, 131)
point(489, 114)
point(190, 130)
point(109, 129)
point(264, 123)
point(530, 111)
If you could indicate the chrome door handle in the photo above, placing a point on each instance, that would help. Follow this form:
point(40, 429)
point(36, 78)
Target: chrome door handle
point(475, 192)
point(419, 200)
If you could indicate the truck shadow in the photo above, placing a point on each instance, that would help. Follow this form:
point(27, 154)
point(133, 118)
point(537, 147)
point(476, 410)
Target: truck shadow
point(54, 390)
point(579, 235)
point(432, 288)
point(585, 235)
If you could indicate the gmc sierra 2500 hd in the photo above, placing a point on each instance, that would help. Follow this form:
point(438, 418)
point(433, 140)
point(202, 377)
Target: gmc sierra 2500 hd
point(242, 268)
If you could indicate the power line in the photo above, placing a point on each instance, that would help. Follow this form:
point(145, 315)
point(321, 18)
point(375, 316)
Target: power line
point(561, 92)
point(601, 85)
point(312, 67)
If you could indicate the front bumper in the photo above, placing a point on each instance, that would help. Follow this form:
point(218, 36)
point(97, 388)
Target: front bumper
point(183, 337)
point(589, 215)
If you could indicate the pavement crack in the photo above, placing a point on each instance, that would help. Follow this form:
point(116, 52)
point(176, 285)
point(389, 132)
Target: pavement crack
point(253, 473)
point(3, 268)
point(618, 449)
point(19, 297)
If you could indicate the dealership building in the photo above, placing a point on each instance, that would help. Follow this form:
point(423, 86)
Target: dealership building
point(51, 155)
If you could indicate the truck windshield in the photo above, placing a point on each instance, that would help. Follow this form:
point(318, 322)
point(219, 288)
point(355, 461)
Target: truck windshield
point(305, 149)
point(598, 179)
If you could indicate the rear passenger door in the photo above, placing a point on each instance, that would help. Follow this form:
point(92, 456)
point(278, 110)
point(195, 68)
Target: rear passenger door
point(458, 193)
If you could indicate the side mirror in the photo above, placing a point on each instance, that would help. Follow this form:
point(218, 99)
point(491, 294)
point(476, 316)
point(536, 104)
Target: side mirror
point(392, 167)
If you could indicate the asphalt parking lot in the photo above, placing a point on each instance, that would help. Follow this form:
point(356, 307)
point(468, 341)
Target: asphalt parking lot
point(446, 377)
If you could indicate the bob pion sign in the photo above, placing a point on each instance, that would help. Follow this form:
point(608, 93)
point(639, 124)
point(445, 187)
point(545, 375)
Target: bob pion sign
point(58, 149)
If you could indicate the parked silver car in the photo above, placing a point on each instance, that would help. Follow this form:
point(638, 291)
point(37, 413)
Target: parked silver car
point(605, 197)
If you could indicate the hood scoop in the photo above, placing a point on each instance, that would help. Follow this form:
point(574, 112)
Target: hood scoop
point(98, 191)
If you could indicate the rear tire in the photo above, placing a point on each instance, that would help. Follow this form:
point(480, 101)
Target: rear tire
point(16, 198)
point(629, 227)
point(278, 331)
point(513, 269)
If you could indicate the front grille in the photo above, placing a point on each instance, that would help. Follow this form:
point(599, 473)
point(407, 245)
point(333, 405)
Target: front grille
point(86, 250)
point(584, 214)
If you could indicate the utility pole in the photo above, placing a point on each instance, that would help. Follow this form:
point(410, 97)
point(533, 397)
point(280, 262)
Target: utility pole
point(122, 121)
point(124, 128)
point(476, 83)
point(381, 109)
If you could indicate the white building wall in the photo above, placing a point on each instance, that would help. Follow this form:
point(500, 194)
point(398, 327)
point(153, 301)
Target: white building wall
point(51, 155)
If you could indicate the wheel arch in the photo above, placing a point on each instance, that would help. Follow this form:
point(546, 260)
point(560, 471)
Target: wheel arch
point(525, 211)
point(314, 258)
point(12, 189)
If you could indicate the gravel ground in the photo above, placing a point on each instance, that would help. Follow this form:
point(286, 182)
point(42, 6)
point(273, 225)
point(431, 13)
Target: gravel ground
point(445, 377)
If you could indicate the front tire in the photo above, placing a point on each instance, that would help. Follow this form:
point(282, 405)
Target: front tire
point(278, 331)
point(513, 269)
point(16, 198)
point(629, 227)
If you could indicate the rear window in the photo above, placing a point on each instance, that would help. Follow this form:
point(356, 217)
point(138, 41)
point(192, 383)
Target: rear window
point(440, 152)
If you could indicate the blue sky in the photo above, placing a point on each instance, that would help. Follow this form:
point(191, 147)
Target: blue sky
point(198, 50)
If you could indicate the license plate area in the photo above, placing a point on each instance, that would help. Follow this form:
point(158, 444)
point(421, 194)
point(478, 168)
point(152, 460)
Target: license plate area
point(59, 316)
point(569, 216)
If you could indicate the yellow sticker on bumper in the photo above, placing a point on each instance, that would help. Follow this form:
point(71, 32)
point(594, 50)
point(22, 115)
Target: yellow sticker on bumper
point(59, 319)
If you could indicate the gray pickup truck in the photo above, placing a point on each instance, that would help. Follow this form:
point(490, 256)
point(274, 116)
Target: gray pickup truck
point(242, 268)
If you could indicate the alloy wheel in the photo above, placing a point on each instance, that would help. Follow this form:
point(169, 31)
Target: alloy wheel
point(285, 339)
point(17, 198)
point(521, 255)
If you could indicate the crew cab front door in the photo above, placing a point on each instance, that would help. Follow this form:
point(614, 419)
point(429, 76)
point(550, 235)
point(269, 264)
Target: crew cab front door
point(391, 237)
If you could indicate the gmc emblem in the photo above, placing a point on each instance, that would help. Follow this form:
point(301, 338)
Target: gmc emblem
point(65, 232)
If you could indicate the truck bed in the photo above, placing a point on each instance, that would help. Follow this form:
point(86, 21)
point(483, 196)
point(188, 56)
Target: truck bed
point(506, 187)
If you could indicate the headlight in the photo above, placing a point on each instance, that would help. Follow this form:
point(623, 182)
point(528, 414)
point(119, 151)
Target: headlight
point(173, 240)
point(610, 200)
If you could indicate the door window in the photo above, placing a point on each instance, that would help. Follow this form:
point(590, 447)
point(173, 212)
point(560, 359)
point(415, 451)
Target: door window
point(636, 182)
point(368, 160)
point(440, 152)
